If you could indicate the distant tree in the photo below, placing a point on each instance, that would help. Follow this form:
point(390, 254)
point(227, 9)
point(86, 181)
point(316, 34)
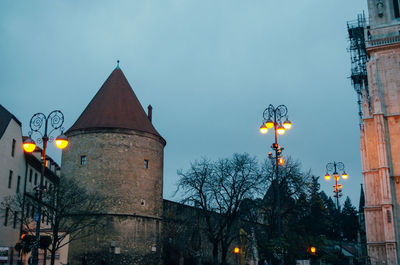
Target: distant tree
point(294, 205)
point(69, 208)
point(349, 221)
point(219, 188)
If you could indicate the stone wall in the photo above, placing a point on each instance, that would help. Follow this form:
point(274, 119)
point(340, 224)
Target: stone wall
point(114, 166)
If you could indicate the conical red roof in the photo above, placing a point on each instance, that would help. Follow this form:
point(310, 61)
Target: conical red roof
point(114, 106)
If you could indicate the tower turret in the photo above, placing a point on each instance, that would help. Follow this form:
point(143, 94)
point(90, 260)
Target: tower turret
point(375, 52)
point(116, 151)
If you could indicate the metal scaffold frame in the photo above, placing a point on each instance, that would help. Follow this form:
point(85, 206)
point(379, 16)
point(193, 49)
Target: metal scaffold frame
point(359, 59)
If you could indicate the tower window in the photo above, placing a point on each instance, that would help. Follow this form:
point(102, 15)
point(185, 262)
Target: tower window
point(30, 175)
point(83, 160)
point(142, 202)
point(35, 179)
point(10, 179)
point(389, 216)
point(396, 8)
point(13, 148)
point(146, 163)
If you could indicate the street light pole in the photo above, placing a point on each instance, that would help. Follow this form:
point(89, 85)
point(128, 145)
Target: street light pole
point(334, 167)
point(273, 118)
point(54, 121)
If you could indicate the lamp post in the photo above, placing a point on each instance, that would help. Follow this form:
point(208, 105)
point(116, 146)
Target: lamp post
point(273, 118)
point(334, 168)
point(49, 124)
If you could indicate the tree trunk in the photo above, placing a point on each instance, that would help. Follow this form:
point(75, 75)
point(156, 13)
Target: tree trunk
point(215, 253)
point(224, 250)
point(53, 255)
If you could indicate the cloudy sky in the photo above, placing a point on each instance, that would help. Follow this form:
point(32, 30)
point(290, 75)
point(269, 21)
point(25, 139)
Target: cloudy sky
point(208, 67)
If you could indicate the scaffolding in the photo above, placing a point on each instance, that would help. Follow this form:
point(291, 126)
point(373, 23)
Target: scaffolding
point(359, 59)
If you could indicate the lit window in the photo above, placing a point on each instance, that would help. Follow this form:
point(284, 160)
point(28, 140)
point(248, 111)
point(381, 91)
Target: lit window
point(83, 160)
point(146, 163)
point(13, 148)
point(10, 179)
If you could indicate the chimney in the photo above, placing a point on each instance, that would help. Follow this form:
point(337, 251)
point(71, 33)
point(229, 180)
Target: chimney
point(149, 112)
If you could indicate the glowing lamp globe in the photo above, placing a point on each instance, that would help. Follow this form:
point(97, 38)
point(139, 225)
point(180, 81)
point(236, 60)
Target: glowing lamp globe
point(263, 129)
point(281, 129)
point(61, 141)
point(29, 145)
point(327, 176)
point(345, 176)
point(336, 176)
point(269, 124)
point(287, 124)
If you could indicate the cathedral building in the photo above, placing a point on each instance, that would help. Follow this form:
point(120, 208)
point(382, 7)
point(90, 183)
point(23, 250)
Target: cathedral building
point(375, 50)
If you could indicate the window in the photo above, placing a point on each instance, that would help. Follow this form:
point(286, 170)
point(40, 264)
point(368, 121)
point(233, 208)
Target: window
point(10, 179)
point(146, 163)
point(35, 179)
point(83, 160)
point(15, 219)
point(30, 175)
point(389, 216)
point(6, 216)
point(13, 148)
point(396, 8)
point(18, 182)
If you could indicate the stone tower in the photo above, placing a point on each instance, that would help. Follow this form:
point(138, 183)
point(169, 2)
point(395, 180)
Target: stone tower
point(115, 150)
point(376, 78)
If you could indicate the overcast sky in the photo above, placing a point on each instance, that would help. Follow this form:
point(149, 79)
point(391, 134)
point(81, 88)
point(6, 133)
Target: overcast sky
point(209, 68)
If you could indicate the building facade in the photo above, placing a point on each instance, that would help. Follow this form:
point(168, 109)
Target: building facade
point(20, 173)
point(375, 47)
point(115, 150)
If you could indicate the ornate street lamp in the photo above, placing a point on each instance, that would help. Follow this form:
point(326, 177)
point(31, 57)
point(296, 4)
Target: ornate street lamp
point(334, 168)
point(273, 118)
point(53, 121)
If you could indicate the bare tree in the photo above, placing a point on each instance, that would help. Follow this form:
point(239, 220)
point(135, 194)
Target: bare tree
point(218, 188)
point(72, 212)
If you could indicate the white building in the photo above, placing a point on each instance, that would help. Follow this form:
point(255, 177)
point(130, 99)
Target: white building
point(19, 174)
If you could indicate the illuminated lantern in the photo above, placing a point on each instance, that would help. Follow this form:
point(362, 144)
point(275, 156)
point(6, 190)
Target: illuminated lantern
point(29, 145)
point(61, 141)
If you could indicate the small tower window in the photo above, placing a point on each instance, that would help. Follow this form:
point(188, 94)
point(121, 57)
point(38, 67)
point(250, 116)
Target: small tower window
point(83, 160)
point(35, 179)
point(146, 163)
point(30, 175)
point(389, 216)
point(142, 202)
